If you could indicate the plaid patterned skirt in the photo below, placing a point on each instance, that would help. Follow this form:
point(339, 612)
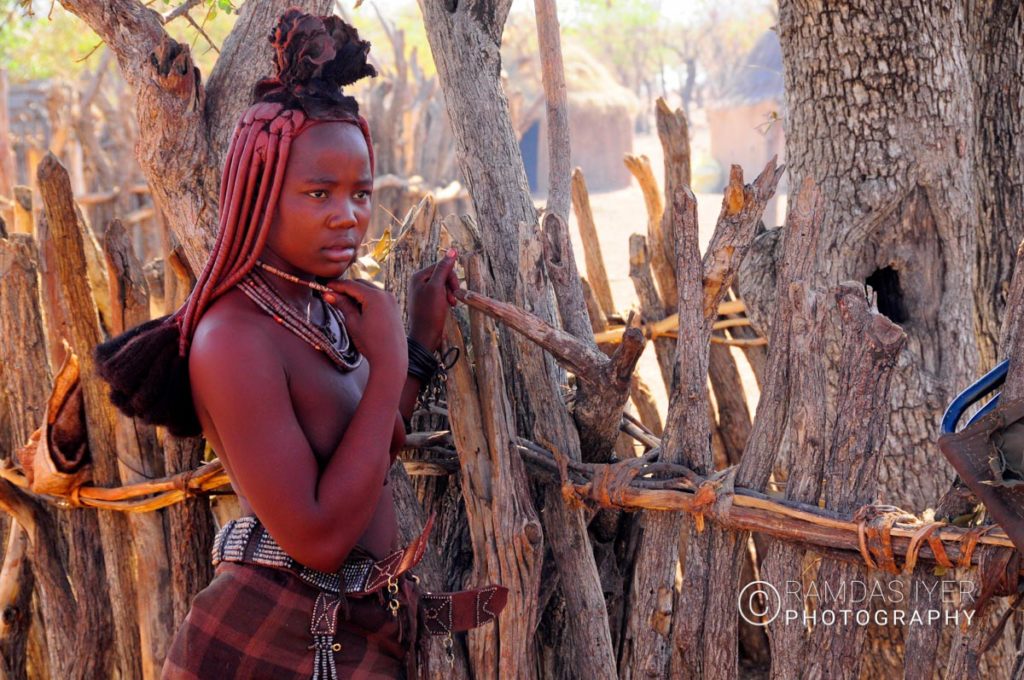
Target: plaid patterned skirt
point(253, 622)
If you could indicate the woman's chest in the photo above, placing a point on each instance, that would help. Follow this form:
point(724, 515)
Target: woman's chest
point(324, 398)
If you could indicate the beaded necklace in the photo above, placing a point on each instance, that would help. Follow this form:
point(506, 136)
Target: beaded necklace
point(343, 354)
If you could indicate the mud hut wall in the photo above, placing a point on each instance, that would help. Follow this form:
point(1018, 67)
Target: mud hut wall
point(745, 134)
point(748, 134)
point(601, 136)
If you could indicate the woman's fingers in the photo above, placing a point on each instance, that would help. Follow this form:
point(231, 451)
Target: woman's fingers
point(342, 302)
point(445, 267)
point(349, 288)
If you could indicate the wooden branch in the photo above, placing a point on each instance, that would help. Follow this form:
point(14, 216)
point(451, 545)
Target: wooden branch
point(733, 413)
point(26, 387)
point(26, 370)
point(772, 410)
point(872, 344)
point(553, 79)
point(801, 454)
point(645, 405)
point(190, 526)
point(600, 406)
point(673, 132)
point(7, 174)
point(599, 403)
point(686, 442)
point(560, 264)
point(742, 208)
point(598, 320)
point(650, 307)
point(596, 274)
point(16, 584)
point(640, 168)
point(178, 11)
point(668, 326)
point(585, 361)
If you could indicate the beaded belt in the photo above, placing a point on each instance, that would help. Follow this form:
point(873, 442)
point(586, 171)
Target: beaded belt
point(247, 541)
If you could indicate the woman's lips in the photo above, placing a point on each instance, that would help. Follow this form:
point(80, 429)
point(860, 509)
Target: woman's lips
point(339, 253)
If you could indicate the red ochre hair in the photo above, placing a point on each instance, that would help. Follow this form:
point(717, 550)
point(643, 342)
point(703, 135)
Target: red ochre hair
point(147, 366)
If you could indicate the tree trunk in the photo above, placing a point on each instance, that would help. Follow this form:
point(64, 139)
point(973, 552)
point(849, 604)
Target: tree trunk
point(908, 118)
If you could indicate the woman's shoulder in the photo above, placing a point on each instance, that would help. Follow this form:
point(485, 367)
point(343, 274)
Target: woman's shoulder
point(232, 330)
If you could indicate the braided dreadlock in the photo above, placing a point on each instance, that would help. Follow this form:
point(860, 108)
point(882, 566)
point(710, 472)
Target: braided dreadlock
point(147, 366)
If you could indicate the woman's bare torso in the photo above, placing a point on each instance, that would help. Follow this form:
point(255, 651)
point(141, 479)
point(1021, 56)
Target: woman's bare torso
point(324, 400)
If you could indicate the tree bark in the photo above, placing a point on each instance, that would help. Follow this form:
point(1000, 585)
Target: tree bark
point(916, 151)
point(895, 158)
point(997, 30)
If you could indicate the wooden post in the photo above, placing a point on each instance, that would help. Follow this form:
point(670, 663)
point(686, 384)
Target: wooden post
point(25, 388)
point(507, 538)
point(84, 334)
point(140, 458)
point(72, 594)
point(674, 133)
point(651, 308)
point(7, 177)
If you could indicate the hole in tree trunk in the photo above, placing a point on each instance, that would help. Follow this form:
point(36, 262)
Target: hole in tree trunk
point(886, 284)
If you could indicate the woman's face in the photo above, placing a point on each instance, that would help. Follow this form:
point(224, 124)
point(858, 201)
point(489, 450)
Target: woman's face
point(324, 207)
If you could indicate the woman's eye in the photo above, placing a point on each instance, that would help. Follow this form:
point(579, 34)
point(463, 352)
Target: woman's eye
point(363, 195)
point(319, 193)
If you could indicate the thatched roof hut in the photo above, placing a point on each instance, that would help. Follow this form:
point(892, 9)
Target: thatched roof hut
point(601, 113)
point(745, 122)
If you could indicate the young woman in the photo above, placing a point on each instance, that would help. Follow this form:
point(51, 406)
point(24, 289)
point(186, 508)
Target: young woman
point(301, 382)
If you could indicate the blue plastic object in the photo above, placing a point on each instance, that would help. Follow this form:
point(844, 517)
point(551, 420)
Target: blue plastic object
point(981, 387)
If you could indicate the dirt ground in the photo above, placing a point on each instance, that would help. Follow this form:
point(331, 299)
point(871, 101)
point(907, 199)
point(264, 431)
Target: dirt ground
point(618, 214)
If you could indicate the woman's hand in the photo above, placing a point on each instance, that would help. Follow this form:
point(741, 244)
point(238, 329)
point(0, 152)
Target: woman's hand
point(373, 321)
point(430, 296)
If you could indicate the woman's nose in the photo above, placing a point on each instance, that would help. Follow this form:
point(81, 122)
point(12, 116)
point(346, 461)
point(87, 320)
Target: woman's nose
point(344, 216)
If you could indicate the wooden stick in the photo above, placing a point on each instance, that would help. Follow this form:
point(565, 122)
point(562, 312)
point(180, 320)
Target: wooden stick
point(651, 306)
point(553, 78)
point(596, 273)
point(584, 360)
point(670, 324)
point(640, 167)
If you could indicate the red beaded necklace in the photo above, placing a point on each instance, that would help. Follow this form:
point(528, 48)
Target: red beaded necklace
point(255, 286)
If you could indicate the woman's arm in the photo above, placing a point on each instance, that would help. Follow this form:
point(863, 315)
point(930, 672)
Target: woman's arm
point(430, 297)
point(316, 517)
